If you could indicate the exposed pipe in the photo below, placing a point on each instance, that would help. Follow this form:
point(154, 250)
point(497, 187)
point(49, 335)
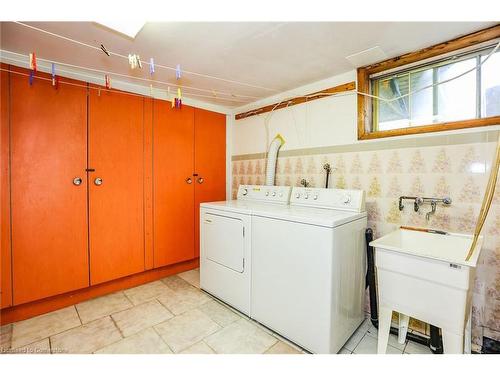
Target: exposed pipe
point(434, 343)
point(272, 157)
point(328, 170)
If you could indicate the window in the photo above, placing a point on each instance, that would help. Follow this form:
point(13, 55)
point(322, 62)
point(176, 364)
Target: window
point(416, 106)
point(473, 95)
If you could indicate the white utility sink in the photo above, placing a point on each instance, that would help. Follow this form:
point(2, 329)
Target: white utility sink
point(425, 276)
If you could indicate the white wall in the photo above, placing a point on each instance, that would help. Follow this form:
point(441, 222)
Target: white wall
point(322, 122)
point(329, 121)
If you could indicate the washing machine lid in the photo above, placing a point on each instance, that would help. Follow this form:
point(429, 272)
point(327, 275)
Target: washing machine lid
point(240, 207)
point(308, 215)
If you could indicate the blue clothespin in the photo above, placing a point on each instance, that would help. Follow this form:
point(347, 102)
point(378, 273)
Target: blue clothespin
point(151, 66)
point(178, 71)
point(31, 77)
point(53, 74)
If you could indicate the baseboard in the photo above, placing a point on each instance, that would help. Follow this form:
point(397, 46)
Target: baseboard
point(31, 309)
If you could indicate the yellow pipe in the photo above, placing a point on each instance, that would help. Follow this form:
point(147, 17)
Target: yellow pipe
point(488, 197)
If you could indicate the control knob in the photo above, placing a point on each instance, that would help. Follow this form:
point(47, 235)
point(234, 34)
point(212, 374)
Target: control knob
point(244, 192)
point(346, 199)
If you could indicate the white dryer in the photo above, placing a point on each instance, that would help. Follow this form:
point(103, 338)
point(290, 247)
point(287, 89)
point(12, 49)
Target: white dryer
point(308, 267)
point(225, 242)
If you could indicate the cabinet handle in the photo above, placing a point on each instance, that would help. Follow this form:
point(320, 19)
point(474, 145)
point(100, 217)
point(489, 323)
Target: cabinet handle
point(200, 180)
point(98, 181)
point(189, 180)
point(77, 181)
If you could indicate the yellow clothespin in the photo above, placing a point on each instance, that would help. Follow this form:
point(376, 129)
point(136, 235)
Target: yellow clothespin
point(172, 101)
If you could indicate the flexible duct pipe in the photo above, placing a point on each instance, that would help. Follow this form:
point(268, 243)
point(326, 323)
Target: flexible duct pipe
point(272, 157)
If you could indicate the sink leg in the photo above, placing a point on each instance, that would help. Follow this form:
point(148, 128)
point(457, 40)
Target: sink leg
point(384, 326)
point(452, 343)
point(468, 335)
point(404, 321)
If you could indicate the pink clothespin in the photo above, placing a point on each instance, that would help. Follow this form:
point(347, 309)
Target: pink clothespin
point(107, 81)
point(33, 61)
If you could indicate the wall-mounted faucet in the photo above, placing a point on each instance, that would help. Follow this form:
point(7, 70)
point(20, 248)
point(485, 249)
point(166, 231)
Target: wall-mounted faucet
point(328, 170)
point(419, 201)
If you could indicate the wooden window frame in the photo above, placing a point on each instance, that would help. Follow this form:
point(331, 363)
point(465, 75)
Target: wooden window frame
point(365, 103)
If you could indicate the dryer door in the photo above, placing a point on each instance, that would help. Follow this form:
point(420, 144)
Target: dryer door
point(224, 241)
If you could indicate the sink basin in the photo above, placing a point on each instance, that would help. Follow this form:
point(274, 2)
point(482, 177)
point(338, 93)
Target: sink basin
point(425, 276)
point(451, 247)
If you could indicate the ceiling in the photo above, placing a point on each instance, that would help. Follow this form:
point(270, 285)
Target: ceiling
point(274, 56)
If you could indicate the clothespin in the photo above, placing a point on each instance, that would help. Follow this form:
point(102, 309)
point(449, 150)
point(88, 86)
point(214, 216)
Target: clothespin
point(179, 97)
point(138, 61)
point(53, 75)
point(99, 91)
point(104, 50)
point(172, 101)
point(151, 90)
point(151, 66)
point(32, 73)
point(33, 61)
point(214, 93)
point(107, 81)
point(178, 71)
point(132, 61)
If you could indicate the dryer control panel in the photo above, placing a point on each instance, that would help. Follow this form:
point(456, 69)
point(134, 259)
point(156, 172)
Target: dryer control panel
point(276, 194)
point(337, 199)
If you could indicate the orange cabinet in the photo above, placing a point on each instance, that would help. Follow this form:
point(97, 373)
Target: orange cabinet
point(98, 185)
point(48, 206)
point(173, 163)
point(189, 167)
point(5, 253)
point(116, 185)
point(209, 162)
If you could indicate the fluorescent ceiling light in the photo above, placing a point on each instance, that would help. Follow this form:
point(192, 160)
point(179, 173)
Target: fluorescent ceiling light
point(129, 28)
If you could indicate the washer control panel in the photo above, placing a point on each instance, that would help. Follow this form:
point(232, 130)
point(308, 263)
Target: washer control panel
point(340, 199)
point(278, 194)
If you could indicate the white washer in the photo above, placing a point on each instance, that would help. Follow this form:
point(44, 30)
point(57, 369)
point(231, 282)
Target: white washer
point(308, 267)
point(225, 242)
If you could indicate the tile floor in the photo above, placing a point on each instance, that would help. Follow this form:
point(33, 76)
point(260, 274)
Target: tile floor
point(171, 315)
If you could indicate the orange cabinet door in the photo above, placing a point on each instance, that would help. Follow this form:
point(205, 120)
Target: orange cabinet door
point(5, 250)
point(116, 187)
point(209, 162)
point(49, 211)
point(173, 162)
